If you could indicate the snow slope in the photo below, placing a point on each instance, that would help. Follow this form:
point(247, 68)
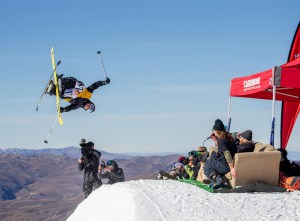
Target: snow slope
point(143, 200)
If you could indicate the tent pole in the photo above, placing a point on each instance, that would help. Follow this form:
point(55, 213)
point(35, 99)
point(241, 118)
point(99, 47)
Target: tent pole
point(273, 109)
point(228, 112)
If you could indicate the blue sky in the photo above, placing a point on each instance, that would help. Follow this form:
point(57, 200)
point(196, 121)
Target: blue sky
point(170, 64)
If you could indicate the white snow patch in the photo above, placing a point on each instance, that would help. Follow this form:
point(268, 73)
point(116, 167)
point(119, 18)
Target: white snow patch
point(147, 200)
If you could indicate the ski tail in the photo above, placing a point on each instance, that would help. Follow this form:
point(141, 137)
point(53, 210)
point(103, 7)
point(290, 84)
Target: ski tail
point(56, 88)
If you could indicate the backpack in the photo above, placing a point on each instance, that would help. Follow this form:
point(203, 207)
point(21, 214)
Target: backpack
point(290, 183)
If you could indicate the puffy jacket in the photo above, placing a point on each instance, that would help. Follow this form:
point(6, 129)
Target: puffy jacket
point(113, 176)
point(245, 147)
point(90, 161)
point(76, 103)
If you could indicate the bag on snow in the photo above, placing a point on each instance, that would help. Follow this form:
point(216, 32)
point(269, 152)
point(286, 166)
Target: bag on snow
point(291, 183)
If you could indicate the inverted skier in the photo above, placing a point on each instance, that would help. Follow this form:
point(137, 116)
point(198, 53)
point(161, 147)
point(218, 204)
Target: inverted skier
point(75, 92)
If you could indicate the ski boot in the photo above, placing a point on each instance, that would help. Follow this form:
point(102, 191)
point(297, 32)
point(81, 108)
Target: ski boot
point(50, 88)
point(218, 183)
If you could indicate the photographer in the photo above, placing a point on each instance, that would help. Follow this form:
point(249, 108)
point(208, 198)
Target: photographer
point(89, 162)
point(198, 156)
point(112, 172)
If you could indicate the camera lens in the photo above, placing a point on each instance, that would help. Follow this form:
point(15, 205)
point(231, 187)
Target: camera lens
point(192, 153)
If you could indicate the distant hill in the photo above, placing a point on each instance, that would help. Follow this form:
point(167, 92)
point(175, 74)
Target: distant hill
point(73, 152)
point(40, 185)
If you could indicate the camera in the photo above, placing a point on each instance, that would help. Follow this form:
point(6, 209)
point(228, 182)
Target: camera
point(103, 164)
point(194, 153)
point(85, 150)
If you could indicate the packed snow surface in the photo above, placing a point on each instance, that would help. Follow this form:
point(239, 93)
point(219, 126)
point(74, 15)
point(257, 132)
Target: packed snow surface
point(149, 200)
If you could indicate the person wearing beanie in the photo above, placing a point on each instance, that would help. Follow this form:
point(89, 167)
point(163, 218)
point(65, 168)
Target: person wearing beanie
point(197, 158)
point(177, 172)
point(245, 142)
point(89, 163)
point(181, 159)
point(220, 162)
point(112, 172)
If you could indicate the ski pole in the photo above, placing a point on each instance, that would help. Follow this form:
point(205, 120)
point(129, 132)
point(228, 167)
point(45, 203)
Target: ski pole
point(46, 141)
point(39, 102)
point(99, 53)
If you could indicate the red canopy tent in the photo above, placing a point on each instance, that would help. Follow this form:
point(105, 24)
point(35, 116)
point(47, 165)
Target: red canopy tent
point(278, 83)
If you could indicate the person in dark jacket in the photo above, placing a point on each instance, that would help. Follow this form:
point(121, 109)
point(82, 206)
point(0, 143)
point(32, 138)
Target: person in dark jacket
point(220, 162)
point(112, 172)
point(75, 92)
point(89, 163)
point(198, 156)
point(76, 103)
point(245, 142)
point(177, 172)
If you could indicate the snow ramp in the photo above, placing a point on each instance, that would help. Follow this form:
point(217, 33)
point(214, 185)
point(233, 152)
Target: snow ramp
point(160, 200)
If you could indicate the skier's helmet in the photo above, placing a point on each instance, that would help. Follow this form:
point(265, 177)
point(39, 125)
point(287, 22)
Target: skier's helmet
point(92, 107)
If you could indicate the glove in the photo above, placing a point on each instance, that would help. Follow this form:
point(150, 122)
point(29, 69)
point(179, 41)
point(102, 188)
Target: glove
point(107, 81)
point(62, 109)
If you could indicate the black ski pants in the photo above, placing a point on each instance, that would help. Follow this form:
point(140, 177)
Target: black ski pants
point(68, 83)
point(95, 85)
point(216, 165)
point(90, 182)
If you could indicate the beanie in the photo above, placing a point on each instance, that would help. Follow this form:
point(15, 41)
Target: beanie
point(218, 125)
point(181, 159)
point(247, 135)
point(90, 144)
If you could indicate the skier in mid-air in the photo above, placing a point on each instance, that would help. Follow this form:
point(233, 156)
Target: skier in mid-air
point(75, 92)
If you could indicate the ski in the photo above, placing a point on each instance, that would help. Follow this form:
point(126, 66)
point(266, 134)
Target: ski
point(56, 88)
point(45, 90)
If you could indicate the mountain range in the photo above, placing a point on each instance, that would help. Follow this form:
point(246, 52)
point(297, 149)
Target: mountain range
point(47, 185)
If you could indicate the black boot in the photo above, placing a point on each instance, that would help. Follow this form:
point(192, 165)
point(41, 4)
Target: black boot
point(50, 88)
point(219, 182)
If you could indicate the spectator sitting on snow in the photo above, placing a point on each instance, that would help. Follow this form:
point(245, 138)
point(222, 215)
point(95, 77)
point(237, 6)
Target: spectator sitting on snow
point(285, 163)
point(111, 172)
point(198, 157)
point(183, 160)
point(245, 142)
point(177, 172)
point(221, 162)
point(191, 169)
point(201, 155)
